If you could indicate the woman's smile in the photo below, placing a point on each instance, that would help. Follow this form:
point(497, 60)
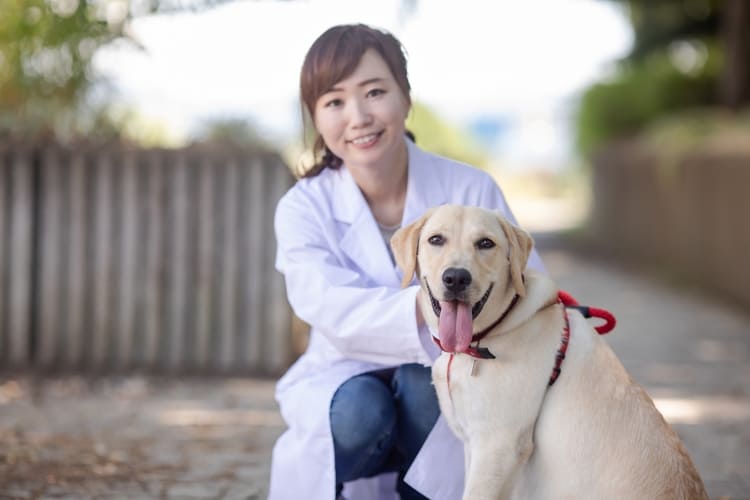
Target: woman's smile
point(366, 141)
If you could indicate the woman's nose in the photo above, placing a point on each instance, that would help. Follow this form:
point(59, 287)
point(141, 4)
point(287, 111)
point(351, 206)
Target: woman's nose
point(360, 113)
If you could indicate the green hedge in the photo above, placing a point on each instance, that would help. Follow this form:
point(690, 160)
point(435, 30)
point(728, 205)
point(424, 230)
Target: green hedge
point(640, 94)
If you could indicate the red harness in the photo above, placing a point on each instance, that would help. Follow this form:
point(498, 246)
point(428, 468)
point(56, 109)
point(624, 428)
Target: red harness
point(563, 298)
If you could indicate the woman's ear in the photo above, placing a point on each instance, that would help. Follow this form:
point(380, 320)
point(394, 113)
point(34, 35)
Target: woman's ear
point(405, 246)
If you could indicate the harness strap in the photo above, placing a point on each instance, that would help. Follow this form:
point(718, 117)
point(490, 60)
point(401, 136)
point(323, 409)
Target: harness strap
point(560, 356)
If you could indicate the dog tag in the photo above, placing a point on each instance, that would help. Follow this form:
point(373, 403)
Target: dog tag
point(473, 367)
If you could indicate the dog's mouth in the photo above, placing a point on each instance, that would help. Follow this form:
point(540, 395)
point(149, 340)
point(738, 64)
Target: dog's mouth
point(475, 309)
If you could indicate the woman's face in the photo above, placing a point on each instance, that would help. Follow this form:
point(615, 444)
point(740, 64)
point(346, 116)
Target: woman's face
point(361, 119)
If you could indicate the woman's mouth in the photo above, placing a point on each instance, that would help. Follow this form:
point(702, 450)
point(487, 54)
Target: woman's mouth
point(366, 140)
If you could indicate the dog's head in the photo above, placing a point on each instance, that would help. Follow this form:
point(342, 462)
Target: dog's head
point(469, 262)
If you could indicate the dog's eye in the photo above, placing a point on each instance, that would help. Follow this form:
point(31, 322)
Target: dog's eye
point(436, 240)
point(485, 243)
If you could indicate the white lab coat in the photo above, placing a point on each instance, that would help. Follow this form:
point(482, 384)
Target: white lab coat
point(341, 280)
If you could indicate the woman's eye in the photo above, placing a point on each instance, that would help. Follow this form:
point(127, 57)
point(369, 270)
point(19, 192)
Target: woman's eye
point(333, 103)
point(436, 240)
point(485, 243)
point(375, 92)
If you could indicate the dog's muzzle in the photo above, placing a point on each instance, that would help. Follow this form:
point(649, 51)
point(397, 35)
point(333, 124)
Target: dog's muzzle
point(475, 309)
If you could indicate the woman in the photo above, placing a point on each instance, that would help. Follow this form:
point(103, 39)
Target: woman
point(361, 410)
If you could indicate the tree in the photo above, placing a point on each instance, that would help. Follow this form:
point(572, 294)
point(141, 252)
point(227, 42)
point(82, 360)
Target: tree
point(686, 55)
point(46, 48)
point(46, 53)
point(660, 24)
point(735, 29)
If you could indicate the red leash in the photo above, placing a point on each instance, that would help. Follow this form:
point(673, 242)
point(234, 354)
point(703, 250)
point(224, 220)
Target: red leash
point(569, 302)
point(589, 312)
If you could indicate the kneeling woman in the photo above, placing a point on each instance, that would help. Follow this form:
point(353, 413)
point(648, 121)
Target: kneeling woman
point(362, 413)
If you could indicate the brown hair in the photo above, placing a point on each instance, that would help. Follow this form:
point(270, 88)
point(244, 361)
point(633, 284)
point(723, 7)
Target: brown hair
point(333, 57)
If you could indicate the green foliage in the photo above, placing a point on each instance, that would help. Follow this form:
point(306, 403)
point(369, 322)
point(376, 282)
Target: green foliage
point(656, 24)
point(438, 136)
point(46, 49)
point(686, 54)
point(642, 92)
point(46, 53)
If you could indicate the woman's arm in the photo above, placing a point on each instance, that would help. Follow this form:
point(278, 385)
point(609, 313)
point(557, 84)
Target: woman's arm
point(368, 323)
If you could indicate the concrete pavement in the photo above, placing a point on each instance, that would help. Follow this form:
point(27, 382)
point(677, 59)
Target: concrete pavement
point(139, 437)
point(690, 351)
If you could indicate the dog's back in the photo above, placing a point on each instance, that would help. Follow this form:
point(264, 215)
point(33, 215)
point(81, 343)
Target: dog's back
point(599, 435)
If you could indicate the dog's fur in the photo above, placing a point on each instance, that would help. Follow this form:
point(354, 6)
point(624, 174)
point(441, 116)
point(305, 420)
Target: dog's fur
point(594, 434)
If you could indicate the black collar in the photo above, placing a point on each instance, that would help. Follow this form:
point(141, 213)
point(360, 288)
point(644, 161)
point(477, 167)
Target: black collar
point(479, 336)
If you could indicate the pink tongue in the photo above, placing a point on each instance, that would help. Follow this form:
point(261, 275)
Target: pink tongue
point(454, 326)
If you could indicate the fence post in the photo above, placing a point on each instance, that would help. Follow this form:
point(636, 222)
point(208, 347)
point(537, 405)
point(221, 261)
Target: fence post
point(126, 264)
point(52, 242)
point(177, 232)
point(205, 242)
point(227, 295)
point(153, 311)
point(76, 263)
point(5, 180)
point(20, 257)
point(278, 317)
point(252, 249)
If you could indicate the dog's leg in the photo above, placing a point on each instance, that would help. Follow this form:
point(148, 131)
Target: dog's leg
point(491, 471)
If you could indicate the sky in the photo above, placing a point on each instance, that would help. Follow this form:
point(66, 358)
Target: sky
point(517, 64)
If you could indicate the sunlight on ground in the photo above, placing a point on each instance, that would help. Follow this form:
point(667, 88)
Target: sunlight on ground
point(549, 215)
point(702, 409)
point(205, 416)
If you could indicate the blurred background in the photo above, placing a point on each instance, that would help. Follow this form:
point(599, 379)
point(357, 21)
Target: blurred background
point(144, 144)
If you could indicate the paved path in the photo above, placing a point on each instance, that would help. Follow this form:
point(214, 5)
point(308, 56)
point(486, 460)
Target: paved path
point(690, 351)
point(134, 437)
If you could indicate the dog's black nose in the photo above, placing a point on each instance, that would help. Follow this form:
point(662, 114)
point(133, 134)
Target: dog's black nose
point(456, 279)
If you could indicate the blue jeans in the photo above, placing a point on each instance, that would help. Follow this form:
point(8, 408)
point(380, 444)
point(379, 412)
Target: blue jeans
point(379, 421)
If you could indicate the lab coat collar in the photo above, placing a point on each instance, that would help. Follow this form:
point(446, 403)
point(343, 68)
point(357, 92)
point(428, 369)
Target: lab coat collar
point(361, 241)
point(349, 203)
point(350, 207)
point(424, 189)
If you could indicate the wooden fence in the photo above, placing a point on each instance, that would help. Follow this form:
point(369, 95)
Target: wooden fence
point(114, 259)
point(687, 214)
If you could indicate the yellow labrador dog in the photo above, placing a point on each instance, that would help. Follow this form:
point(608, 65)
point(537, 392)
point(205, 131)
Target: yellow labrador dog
point(591, 433)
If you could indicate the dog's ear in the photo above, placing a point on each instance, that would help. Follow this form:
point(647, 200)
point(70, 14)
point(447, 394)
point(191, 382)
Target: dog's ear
point(521, 244)
point(405, 244)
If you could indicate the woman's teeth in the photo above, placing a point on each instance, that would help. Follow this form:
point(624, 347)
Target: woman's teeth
point(365, 139)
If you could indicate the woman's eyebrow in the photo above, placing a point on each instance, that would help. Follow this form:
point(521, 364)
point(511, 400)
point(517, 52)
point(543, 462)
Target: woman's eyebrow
point(364, 83)
point(369, 81)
